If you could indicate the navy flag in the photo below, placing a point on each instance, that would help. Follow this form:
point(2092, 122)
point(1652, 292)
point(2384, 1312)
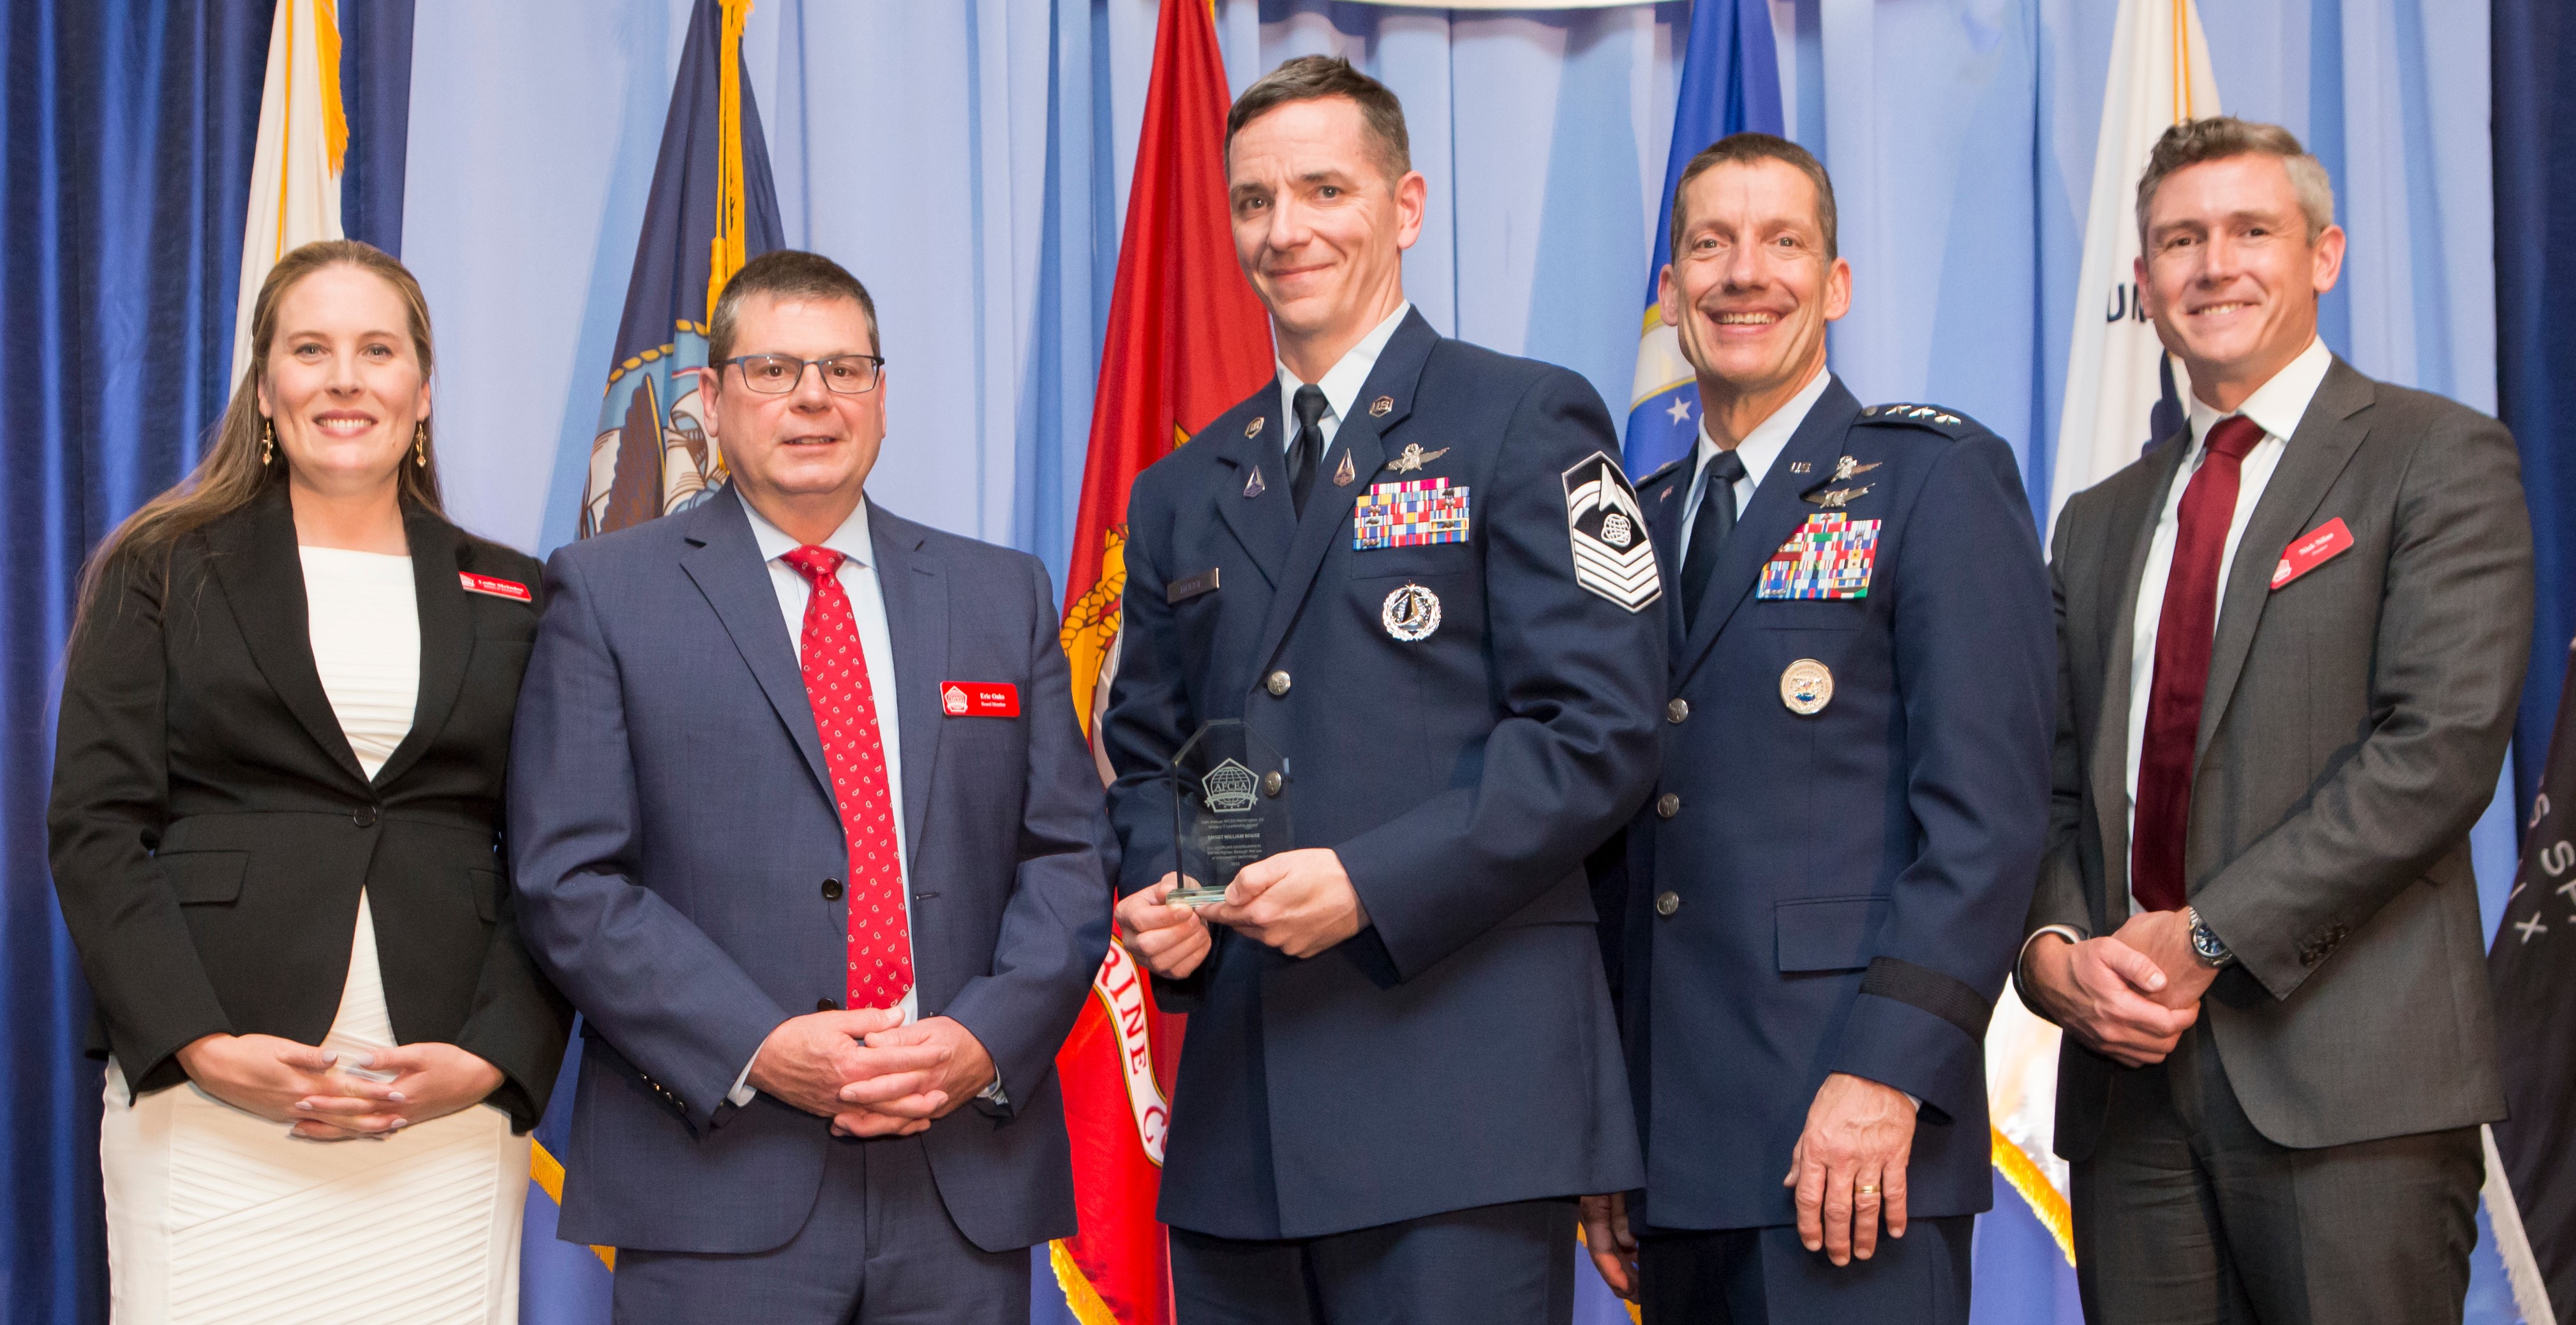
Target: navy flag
point(2533, 966)
point(712, 208)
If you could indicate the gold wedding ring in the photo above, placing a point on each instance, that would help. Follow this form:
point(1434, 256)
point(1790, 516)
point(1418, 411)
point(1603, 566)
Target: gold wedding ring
point(1866, 1189)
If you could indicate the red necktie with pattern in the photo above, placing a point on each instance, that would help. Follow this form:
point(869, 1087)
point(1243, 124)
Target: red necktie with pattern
point(845, 713)
point(2182, 667)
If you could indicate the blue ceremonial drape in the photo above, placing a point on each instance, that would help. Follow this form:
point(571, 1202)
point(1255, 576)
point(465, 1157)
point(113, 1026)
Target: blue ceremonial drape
point(129, 128)
point(2535, 253)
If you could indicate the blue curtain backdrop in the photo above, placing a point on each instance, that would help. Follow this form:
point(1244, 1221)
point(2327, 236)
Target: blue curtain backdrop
point(128, 141)
point(970, 161)
point(2535, 166)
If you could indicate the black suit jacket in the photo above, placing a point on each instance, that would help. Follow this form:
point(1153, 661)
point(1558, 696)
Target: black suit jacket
point(210, 828)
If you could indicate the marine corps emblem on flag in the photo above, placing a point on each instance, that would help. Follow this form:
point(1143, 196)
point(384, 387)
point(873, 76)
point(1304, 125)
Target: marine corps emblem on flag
point(1612, 555)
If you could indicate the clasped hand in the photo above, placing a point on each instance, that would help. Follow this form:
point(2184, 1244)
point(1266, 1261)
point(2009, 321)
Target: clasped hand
point(869, 1073)
point(2129, 996)
point(289, 1082)
point(1300, 902)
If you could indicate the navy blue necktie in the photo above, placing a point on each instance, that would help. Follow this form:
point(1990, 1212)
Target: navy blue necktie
point(1716, 519)
point(1307, 455)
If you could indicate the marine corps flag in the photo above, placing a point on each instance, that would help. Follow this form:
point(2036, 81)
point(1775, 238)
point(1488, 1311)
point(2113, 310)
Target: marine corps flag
point(712, 208)
point(1186, 340)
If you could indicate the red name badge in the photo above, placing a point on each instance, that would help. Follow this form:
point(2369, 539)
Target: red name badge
point(979, 699)
point(510, 589)
point(2311, 550)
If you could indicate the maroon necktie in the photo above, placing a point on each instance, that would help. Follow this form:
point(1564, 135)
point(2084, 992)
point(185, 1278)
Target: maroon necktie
point(2182, 667)
point(845, 716)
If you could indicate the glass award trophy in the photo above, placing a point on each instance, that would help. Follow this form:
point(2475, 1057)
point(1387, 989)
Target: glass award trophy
point(1229, 808)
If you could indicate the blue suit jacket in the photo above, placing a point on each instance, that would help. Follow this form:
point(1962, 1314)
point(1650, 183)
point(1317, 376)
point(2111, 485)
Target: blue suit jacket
point(1461, 1051)
point(671, 830)
point(1840, 892)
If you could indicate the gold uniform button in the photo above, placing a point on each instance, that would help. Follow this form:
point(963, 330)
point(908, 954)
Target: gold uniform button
point(1277, 683)
point(1667, 903)
point(1677, 710)
point(1668, 805)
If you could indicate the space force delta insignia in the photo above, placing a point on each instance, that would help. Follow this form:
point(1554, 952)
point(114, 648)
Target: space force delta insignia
point(1418, 513)
point(1612, 555)
point(1831, 556)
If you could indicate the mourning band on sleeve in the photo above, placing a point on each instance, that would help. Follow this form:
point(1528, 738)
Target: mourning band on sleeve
point(1944, 996)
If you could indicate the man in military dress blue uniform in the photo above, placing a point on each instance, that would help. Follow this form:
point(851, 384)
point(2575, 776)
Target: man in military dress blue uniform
point(1821, 901)
point(1414, 569)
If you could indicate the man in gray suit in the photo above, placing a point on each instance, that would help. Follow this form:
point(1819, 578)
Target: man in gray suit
point(2291, 640)
point(801, 820)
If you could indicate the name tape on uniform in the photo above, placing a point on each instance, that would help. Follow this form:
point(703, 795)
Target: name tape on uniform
point(1831, 556)
point(979, 699)
point(1415, 513)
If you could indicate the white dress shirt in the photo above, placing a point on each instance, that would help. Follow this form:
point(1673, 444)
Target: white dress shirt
point(1758, 449)
point(858, 576)
point(1341, 384)
point(2277, 405)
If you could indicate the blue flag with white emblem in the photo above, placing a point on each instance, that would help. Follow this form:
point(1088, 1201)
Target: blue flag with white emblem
point(712, 208)
point(1730, 84)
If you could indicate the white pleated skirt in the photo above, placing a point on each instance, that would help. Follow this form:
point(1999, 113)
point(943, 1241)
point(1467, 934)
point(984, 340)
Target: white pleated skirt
point(216, 1216)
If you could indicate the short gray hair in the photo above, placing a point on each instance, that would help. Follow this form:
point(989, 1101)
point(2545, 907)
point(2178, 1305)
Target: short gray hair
point(2194, 142)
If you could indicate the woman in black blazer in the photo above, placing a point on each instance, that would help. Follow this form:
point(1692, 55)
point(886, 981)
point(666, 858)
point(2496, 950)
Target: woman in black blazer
point(277, 802)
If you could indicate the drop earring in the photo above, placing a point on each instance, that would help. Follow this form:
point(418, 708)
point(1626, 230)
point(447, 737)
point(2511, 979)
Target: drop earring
point(420, 444)
point(267, 443)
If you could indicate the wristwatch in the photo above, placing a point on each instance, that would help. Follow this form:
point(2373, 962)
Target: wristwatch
point(2212, 953)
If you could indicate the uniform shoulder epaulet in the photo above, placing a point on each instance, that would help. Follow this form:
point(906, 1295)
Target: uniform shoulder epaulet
point(1933, 417)
point(1658, 476)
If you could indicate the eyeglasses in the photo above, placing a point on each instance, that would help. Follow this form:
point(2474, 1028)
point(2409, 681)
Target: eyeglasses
point(778, 374)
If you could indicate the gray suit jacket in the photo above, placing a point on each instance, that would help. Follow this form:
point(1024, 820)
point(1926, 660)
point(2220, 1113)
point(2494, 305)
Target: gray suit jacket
point(2354, 724)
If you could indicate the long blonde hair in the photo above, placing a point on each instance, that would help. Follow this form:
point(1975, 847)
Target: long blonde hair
point(231, 473)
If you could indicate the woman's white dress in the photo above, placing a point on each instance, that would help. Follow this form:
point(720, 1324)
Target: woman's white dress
point(218, 1215)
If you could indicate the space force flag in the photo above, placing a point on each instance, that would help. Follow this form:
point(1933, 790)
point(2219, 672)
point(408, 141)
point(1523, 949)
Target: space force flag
point(711, 209)
point(2532, 966)
point(1730, 84)
point(2115, 368)
point(1186, 339)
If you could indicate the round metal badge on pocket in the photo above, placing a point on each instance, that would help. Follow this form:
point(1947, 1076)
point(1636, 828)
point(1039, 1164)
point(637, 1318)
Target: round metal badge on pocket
point(1806, 686)
point(1411, 613)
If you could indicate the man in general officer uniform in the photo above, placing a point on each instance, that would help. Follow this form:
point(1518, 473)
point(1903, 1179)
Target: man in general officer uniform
point(1821, 902)
point(1413, 568)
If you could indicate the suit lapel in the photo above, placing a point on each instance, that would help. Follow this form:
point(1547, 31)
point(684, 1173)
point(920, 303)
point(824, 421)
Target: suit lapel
point(2310, 463)
point(2133, 531)
point(446, 634)
point(916, 608)
point(726, 565)
point(1360, 439)
point(262, 573)
point(1775, 513)
point(1265, 522)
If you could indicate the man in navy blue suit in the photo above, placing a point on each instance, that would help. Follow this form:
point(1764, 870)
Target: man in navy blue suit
point(801, 820)
point(1413, 568)
point(1822, 901)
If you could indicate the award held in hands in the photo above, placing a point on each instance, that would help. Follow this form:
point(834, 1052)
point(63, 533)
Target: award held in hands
point(1229, 808)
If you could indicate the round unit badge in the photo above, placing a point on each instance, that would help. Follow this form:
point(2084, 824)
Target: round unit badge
point(1411, 613)
point(1806, 686)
